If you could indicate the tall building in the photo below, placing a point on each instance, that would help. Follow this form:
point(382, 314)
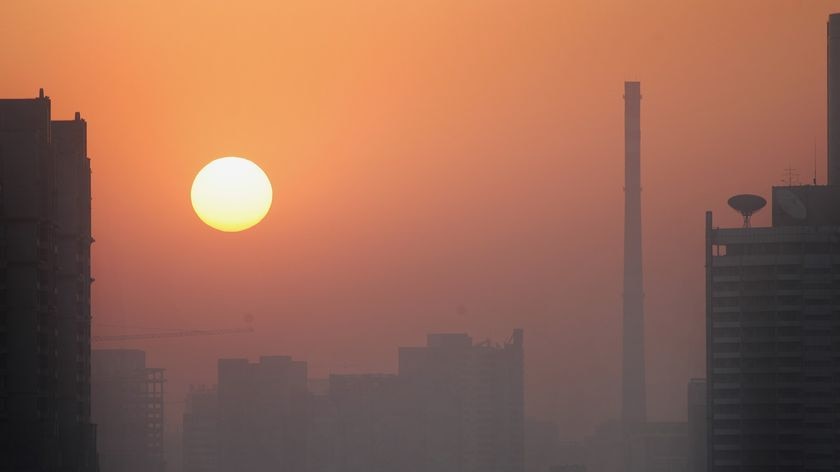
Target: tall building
point(45, 292)
point(263, 414)
point(833, 95)
point(466, 404)
point(773, 337)
point(633, 398)
point(200, 432)
point(127, 407)
point(369, 423)
point(773, 324)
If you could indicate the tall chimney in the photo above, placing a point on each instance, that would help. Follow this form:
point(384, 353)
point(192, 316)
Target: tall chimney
point(634, 405)
point(834, 99)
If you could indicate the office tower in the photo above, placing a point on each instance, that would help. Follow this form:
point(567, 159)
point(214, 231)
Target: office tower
point(773, 325)
point(127, 407)
point(201, 431)
point(45, 258)
point(633, 400)
point(263, 414)
point(833, 49)
point(697, 425)
point(467, 404)
point(773, 337)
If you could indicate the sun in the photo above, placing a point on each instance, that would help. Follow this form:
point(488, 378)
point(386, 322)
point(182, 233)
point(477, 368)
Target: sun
point(231, 194)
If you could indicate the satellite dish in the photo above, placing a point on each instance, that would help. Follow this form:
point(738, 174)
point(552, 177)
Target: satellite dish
point(747, 204)
point(791, 204)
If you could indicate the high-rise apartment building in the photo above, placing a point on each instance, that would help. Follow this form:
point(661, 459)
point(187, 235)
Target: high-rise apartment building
point(466, 403)
point(263, 414)
point(45, 238)
point(201, 431)
point(368, 427)
point(127, 407)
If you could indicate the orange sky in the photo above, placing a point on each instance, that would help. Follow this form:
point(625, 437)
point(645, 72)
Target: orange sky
point(437, 166)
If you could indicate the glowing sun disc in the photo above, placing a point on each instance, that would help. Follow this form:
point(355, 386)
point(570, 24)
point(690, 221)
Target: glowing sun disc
point(231, 194)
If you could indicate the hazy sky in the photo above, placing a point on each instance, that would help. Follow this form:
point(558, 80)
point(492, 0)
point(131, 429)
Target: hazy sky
point(437, 166)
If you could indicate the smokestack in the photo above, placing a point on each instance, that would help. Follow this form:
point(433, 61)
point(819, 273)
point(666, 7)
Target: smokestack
point(634, 405)
point(834, 99)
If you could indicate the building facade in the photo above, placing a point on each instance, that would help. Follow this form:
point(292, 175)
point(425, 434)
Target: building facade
point(201, 431)
point(263, 414)
point(773, 337)
point(127, 407)
point(45, 239)
point(466, 404)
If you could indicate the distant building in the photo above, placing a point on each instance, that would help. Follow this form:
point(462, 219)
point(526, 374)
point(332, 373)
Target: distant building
point(369, 422)
point(466, 404)
point(541, 445)
point(545, 452)
point(127, 406)
point(653, 447)
point(200, 432)
point(697, 425)
point(263, 414)
point(45, 290)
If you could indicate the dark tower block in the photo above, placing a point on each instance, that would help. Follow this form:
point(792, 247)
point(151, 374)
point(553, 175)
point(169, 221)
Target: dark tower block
point(44, 291)
point(73, 240)
point(633, 406)
point(834, 99)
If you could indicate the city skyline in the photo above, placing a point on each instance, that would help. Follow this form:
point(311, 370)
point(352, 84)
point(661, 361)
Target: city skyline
point(494, 149)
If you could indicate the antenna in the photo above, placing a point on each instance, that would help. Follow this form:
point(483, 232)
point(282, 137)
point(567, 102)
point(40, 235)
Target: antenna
point(815, 161)
point(791, 177)
point(747, 204)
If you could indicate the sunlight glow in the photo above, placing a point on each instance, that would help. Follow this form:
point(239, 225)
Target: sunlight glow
point(231, 194)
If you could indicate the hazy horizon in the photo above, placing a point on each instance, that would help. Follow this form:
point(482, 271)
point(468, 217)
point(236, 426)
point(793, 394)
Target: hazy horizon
point(450, 167)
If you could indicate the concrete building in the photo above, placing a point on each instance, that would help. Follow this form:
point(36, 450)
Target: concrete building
point(369, 422)
point(773, 337)
point(466, 404)
point(773, 323)
point(200, 432)
point(263, 414)
point(45, 292)
point(127, 407)
point(652, 446)
point(541, 445)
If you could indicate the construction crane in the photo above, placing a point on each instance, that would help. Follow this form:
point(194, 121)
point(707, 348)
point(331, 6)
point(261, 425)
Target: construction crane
point(171, 334)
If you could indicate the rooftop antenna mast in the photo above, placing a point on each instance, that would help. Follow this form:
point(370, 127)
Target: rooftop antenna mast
point(791, 177)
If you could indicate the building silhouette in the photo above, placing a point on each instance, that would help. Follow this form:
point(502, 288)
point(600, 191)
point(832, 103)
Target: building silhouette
point(263, 414)
point(368, 427)
point(127, 407)
point(454, 405)
point(773, 337)
point(466, 404)
point(201, 431)
point(45, 239)
point(773, 323)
